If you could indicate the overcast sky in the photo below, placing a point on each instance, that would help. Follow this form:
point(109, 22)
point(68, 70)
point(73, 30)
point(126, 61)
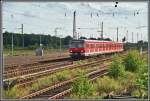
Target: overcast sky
point(44, 17)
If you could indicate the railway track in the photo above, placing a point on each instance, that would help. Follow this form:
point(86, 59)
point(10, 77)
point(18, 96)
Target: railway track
point(33, 69)
point(45, 65)
point(29, 77)
point(92, 75)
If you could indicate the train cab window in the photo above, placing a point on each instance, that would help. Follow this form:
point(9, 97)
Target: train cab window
point(77, 44)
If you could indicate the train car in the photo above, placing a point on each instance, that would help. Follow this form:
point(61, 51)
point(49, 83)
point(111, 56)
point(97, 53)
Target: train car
point(83, 48)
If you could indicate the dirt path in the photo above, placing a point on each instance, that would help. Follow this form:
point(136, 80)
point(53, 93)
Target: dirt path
point(15, 60)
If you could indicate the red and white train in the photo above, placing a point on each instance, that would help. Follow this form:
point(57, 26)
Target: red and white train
point(82, 48)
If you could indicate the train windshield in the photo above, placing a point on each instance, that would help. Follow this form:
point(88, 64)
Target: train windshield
point(76, 44)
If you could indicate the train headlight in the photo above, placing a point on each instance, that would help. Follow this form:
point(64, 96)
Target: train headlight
point(82, 51)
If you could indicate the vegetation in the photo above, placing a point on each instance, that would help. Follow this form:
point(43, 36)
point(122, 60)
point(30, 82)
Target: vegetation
point(141, 43)
point(116, 69)
point(32, 41)
point(132, 61)
point(107, 85)
point(134, 78)
point(124, 77)
point(82, 87)
point(43, 82)
point(15, 92)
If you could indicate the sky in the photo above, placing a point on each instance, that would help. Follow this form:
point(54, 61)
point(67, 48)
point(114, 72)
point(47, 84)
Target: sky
point(45, 17)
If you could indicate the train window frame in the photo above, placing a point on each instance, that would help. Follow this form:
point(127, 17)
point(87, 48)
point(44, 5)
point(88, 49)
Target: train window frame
point(77, 44)
point(87, 45)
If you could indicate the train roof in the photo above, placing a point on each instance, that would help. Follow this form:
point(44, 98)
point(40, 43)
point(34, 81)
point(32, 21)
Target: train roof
point(98, 41)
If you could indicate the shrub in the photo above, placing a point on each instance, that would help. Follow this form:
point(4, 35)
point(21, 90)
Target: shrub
point(132, 61)
point(82, 87)
point(142, 83)
point(116, 69)
point(107, 85)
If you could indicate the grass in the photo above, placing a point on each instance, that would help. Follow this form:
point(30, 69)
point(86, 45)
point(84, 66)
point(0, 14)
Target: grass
point(107, 85)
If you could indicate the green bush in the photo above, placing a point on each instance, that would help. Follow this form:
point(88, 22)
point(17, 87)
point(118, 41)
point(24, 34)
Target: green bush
point(132, 61)
point(116, 69)
point(82, 87)
point(142, 83)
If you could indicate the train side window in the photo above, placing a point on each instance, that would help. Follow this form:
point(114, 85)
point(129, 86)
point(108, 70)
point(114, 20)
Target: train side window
point(103, 45)
point(96, 45)
point(106, 46)
point(100, 45)
point(91, 45)
point(87, 45)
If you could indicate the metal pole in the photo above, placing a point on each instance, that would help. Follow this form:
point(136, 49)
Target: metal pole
point(12, 44)
point(40, 40)
point(56, 32)
point(137, 37)
point(132, 37)
point(60, 46)
point(127, 35)
point(22, 35)
point(102, 31)
point(74, 25)
point(1, 57)
point(117, 34)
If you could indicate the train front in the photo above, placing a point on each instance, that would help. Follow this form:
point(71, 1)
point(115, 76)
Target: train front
point(76, 49)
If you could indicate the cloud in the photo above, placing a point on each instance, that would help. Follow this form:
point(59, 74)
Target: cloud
point(44, 17)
